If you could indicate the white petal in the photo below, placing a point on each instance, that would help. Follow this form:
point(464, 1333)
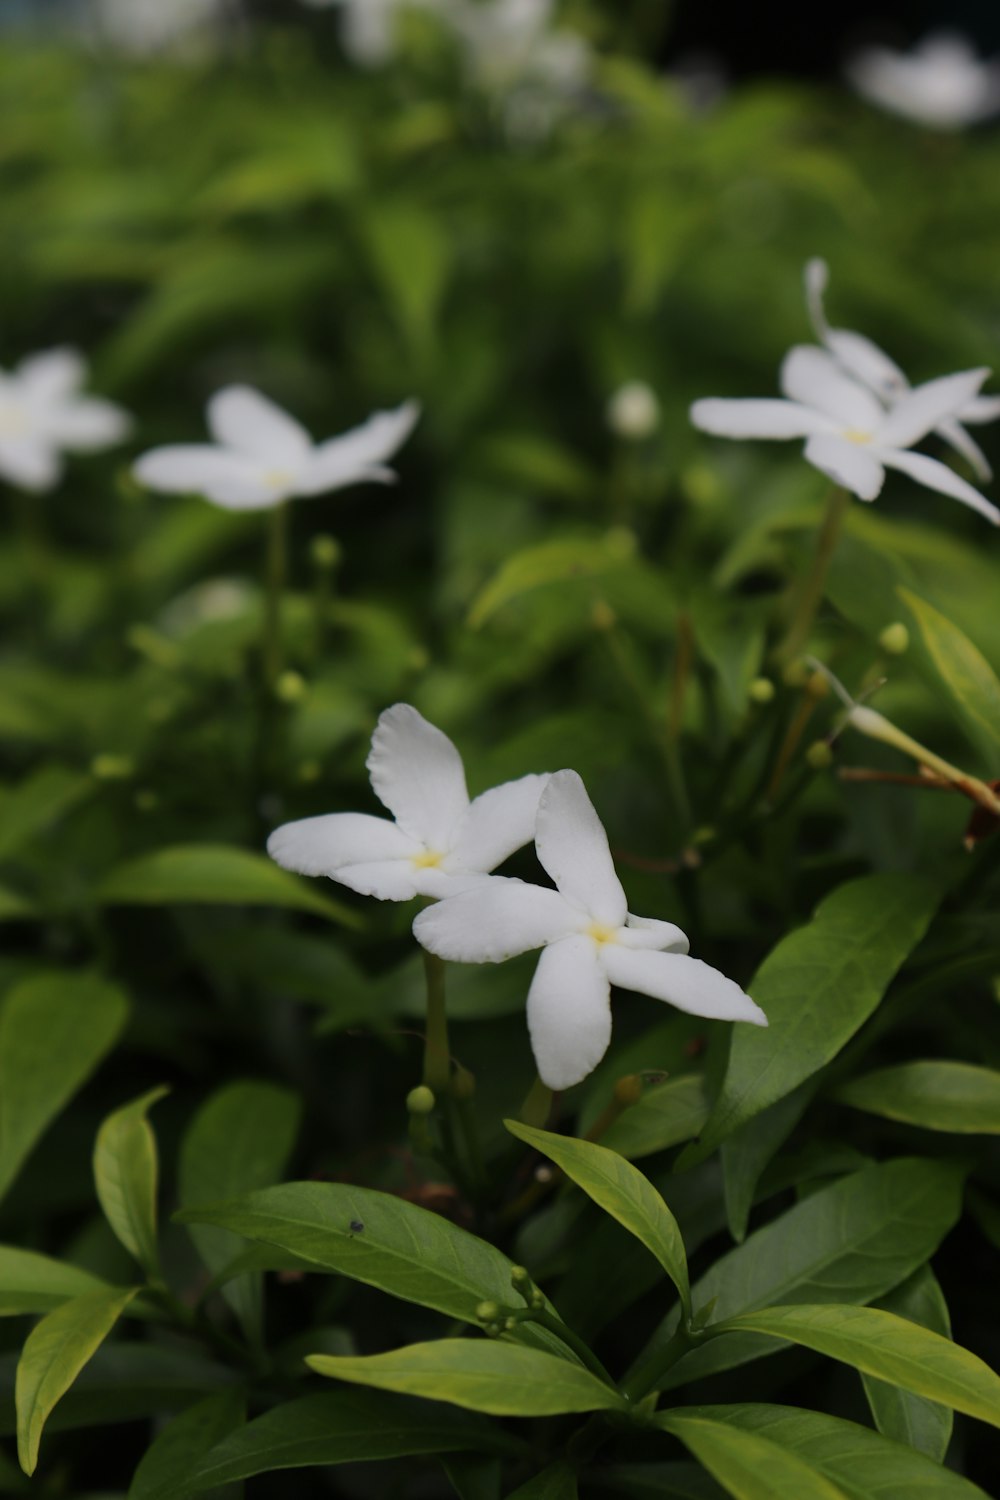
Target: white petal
point(954, 434)
point(684, 982)
point(920, 411)
point(817, 276)
point(980, 409)
point(573, 847)
point(494, 920)
point(863, 359)
point(418, 775)
point(197, 469)
point(386, 880)
point(51, 375)
point(648, 932)
point(321, 846)
point(569, 1012)
point(87, 424)
point(498, 822)
point(360, 454)
point(848, 464)
point(813, 377)
point(30, 463)
point(754, 418)
point(242, 419)
point(937, 476)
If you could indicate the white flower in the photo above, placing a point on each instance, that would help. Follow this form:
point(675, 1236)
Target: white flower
point(440, 842)
point(850, 435)
point(263, 456)
point(143, 26)
point(588, 938)
point(513, 50)
point(941, 83)
point(368, 27)
point(865, 361)
point(633, 411)
point(43, 414)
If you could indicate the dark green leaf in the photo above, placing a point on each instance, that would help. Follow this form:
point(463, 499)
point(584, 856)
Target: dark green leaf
point(166, 1468)
point(557, 1482)
point(950, 1096)
point(899, 1414)
point(667, 1114)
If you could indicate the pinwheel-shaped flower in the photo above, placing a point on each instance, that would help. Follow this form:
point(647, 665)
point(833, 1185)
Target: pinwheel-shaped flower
point(44, 414)
point(861, 358)
point(941, 83)
point(439, 843)
point(849, 434)
point(262, 456)
point(588, 938)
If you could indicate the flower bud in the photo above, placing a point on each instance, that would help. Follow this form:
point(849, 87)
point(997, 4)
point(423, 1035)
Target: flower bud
point(509, 1324)
point(421, 1100)
point(325, 551)
point(895, 638)
point(761, 690)
point(633, 413)
point(291, 687)
point(537, 1300)
point(795, 674)
point(520, 1278)
point(112, 767)
point(628, 1090)
point(463, 1084)
point(819, 755)
point(817, 686)
point(488, 1312)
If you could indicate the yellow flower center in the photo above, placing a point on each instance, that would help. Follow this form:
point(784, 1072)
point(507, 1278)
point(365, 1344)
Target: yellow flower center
point(428, 860)
point(279, 479)
point(602, 934)
point(857, 435)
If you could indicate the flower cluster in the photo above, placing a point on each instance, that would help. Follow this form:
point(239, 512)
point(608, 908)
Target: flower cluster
point(941, 83)
point(444, 847)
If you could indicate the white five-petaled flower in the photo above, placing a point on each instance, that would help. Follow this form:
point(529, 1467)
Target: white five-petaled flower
point(941, 83)
point(44, 414)
point(368, 27)
point(589, 941)
point(850, 435)
point(439, 843)
point(861, 358)
point(262, 456)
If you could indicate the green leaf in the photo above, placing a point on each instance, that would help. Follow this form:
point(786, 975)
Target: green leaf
point(33, 1283)
point(218, 875)
point(856, 1240)
point(376, 1238)
point(38, 801)
point(750, 1466)
point(126, 1176)
point(240, 1140)
point(54, 1353)
point(675, 1481)
point(557, 1482)
point(547, 563)
point(963, 670)
point(165, 1469)
point(953, 1096)
point(900, 1414)
point(54, 1030)
point(342, 1427)
point(747, 1152)
point(891, 1348)
point(623, 1192)
point(14, 908)
point(667, 1114)
point(411, 253)
point(816, 988)
point(503, 1380)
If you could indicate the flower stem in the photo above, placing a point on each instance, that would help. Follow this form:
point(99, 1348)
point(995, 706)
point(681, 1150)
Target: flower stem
point(437, 1056)
point(811, 590)
point(652, 1370)
point(274, 586)
point(572, 1341)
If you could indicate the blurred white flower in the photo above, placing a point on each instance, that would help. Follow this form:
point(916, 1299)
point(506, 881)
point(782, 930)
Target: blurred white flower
point(513, 50)
point(262, 456)
point(440, 842)
point(589, 941)
point(44, 414)
point(941, 83)
point(633, 412)
point(865, 361)
point(142, 26)
point(368, 27)
point(850, 435)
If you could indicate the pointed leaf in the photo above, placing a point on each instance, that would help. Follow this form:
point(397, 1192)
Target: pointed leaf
point(899, 1414)
point(503, 1380)
point(751, 1467)
point(165, 1469)
point(952, 1096)
point(33, 1283)
point(962, 669)
point(667, 1114)
point(39, 800)
point(557, 1482)
point(126, 1175)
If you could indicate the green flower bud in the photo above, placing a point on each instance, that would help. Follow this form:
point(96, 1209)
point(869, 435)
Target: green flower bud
point(817, 686)
point(488, 1312)
point(112, 767)
point(520, 1279)
point(795, 674)
point(761, 690)
point(325, 551)
point(628, 1090)
point(819, 755)
point(895, 638)
point(291, 687)
point(536, 1300)
point(421, 1100)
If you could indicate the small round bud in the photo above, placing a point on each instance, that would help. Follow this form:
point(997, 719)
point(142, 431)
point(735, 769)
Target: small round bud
point(463, 1084)
point(628, 1090)
point(536, 1300)
point(421, 1100)
point(488, 1312)
point(602, 616)
point(112, 767)
point(761, 690)
point(493, 1330)
point(819, 755)
point(291, 687)
point(509, 1324)
point(519, 1277)
point(633, 413)
point(817, 686)
point(895, 638)
point(795, 674)
point(325, 551)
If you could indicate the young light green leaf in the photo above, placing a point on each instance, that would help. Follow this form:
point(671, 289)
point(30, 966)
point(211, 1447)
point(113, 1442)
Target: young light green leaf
point(860, 1463)
point(899, 1414)
point(557, 1482)
point(952, 1096)
point(126, 1175)
point(751, 1467)
point(239, 1140)
point(503, 1380)
point(890, 1348)
point(218, 875)
point(54, 1030)
point(54, 1353)
point(623, 1192)
point(165, 1469)
point(855, 1239)
point(816, 988)
point(667, 1114)
point(34, 1283)
point(340, 1427)
point(962, 669)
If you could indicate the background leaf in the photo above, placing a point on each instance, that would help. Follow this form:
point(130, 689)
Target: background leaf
point(949, 1096)
point(126, 1175)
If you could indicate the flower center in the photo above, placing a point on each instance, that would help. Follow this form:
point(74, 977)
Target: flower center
point(279, 479)
point(857, 435)
point(602, 934)
point(428, 859)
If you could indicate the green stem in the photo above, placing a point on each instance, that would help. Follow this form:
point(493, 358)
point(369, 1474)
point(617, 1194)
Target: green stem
point(572, 1341)
point(811, 591)
point(437, 1055)
point(652, 1370)
point(274, 587)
